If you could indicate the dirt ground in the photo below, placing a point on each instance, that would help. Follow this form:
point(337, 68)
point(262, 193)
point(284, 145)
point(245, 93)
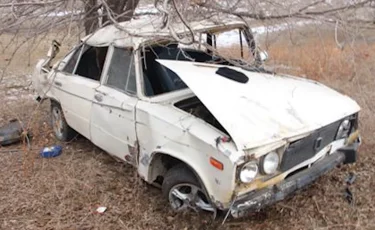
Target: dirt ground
point(64, 192)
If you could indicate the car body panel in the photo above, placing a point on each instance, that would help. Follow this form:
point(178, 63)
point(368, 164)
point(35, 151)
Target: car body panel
point(168, 130)
point(75, 95)
point(113, 118)
point(261, 183)
point(266, 109)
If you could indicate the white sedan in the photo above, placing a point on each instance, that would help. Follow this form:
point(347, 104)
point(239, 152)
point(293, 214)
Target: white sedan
point(215, 133)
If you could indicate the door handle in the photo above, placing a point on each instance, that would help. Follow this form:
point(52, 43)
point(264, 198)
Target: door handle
point(57, 83)
point(98, 97)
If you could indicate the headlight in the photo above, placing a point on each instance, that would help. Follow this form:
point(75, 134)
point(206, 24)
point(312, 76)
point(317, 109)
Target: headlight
point(270, 163)
point(344, 129)
point(248, 172)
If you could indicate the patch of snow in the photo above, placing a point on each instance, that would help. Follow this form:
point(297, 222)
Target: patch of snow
point(232, 37)
point(61, 13)
point(18, 97)
point(228, 38)
point(278, 27)
point(12, 92)
point(11, 98)
point(149, 9)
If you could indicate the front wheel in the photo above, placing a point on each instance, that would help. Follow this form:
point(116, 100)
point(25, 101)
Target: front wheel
point(183, 190)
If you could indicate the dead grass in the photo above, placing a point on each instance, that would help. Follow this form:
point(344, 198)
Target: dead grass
point(349, 70)
point(63, 193)
point(321, 60)
point(19, 54)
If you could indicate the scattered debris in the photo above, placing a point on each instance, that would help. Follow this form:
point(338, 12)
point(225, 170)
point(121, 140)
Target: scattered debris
point(347, 192)
point(101, 210)
point(350, 179)
point(12, 133)
point(349, 196)
point(49, 152)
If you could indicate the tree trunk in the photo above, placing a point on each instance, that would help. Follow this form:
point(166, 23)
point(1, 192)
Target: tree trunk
point(122, 10)
point(91, 22)
point(129, 10)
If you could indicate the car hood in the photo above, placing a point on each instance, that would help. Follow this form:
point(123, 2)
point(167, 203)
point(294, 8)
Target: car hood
point(266, 109)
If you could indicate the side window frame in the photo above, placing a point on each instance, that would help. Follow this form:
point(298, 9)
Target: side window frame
point(81, 49)
point(107, 63)
point(132, 63)
point(70, 55)
point(107, 66)
point(79, 59)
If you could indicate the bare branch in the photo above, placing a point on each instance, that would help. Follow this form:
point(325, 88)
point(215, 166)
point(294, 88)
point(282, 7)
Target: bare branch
point(13, 4)
point(212, 5)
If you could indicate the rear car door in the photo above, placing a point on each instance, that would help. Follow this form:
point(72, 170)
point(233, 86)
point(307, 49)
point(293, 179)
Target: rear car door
point(75, 83)
point(113, 109)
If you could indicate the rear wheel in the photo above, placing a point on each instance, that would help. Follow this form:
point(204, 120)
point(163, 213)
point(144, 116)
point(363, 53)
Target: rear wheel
point(62, 130)
point(183, 190)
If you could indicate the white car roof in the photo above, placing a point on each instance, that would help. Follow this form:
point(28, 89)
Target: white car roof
point(137, 31)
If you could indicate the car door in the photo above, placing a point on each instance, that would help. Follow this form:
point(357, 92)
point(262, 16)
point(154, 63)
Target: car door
point(74, 85)
point(113, 110)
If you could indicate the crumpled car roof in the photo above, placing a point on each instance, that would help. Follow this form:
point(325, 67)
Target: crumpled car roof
point(137, 31)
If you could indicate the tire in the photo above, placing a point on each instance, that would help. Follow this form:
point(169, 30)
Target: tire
point(181, 178)
point(63, 132)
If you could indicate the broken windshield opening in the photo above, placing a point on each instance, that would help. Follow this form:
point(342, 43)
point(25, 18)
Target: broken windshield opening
point(230, 48)
point(158, 79)
point(231, 45)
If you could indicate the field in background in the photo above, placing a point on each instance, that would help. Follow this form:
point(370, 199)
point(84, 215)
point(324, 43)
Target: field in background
point(19, 54)
point(63, 193)
point(322, 59)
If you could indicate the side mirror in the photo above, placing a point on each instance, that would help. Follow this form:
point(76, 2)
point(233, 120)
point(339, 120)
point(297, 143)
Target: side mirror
point(263, 55)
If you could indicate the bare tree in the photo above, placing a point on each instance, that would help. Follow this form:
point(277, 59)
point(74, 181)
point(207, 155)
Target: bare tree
point(91, 18)
point(37, 15)
point(39, 18)
point(122, 10)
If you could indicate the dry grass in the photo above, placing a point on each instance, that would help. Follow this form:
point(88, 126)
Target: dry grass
point(63, 193)
point(323, 60)
point(349, 70)
point(19, 54)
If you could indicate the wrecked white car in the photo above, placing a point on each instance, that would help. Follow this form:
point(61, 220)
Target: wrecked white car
point(214, 135)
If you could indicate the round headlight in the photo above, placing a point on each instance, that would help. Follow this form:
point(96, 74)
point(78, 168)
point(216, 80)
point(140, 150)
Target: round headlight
point(270, 163)
point(343, 129)
point(248, 172)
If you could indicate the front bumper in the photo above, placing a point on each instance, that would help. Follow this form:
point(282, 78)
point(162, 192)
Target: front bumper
point(264, 197)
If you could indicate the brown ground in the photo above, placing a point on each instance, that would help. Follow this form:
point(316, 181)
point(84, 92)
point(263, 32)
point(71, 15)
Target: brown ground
point(63, 192)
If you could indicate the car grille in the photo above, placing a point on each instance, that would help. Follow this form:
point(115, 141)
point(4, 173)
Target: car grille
point(307, 147)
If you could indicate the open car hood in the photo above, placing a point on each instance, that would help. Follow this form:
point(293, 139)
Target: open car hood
point(267, 108)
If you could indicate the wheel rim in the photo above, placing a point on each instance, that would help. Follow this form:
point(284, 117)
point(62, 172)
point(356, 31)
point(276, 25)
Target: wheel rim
point(184, 196)
point(57, 122)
